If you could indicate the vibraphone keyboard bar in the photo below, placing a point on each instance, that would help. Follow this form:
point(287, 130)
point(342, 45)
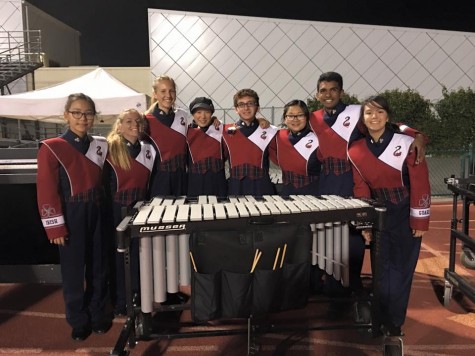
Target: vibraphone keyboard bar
point(164, 215)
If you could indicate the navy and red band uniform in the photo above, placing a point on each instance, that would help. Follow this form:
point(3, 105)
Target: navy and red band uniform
point(385, 171)
point(247, 149)
point(335, 131)
point(70, 201)
point(167, 133)
point(296, 155)
point(125, 187)
point(206, 175)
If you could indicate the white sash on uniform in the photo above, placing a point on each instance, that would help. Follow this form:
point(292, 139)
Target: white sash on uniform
point(262, 137)
point(216, 133)
point(179, 122)
point(307, 145)
point(346, 121)
point(395, 154)
point(146, 157)
point(97, 151)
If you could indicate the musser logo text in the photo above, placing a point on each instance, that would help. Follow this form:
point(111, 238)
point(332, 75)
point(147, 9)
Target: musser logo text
point(162, 228)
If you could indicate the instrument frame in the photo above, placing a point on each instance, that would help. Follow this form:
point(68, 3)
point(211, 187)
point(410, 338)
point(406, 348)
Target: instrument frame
point(138, 325)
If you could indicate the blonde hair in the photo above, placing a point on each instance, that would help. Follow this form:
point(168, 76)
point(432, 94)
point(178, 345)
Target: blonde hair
point(118, 151)
point(156, 81)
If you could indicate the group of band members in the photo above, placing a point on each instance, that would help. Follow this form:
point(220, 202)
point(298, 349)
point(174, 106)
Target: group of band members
point(82, 178)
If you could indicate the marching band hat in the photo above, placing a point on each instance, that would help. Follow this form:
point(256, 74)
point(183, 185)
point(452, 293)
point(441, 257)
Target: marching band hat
point(201, 103)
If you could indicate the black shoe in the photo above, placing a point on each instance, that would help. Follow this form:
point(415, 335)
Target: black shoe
point(81, 333)
point(101, 327)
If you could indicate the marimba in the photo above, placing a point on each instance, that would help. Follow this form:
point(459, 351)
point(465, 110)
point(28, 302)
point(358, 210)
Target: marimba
point(163, 225)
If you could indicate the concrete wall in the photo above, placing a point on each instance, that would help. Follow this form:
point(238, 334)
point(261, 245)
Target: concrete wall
point(60, 42)
point(216, 55)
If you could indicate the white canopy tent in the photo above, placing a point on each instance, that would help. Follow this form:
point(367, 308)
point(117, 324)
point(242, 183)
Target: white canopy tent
point(47, 105)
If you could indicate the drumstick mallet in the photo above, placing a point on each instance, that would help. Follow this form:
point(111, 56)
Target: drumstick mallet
point(283, 256)
point(193, 262)
point(276, 258)
point(257, 256)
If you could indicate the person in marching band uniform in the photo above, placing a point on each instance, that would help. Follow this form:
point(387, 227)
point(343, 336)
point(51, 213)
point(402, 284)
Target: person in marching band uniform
point(295, 151)
point(130, 161)
point(384, 169)
point(166, 129)
point(336, 126)
point(70, 201)
point(206, 174)
point(247, 148)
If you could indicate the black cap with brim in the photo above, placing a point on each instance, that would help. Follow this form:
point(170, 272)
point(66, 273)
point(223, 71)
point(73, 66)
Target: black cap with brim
point(201, 103)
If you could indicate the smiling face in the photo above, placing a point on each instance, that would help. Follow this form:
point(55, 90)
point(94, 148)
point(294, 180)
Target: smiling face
point(164, 92)
point(202, 117)
point(246, 108)
point(375, 119)
point(295, 118)
point(131, 126)
point(82, 109)
point(329, 94)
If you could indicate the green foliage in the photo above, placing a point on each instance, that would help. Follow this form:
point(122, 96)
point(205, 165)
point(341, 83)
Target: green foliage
point(456, 116)
point(449, 123)
point(410, 108)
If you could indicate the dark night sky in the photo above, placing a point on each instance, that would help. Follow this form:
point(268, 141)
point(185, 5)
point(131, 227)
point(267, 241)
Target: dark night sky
point(115, 32)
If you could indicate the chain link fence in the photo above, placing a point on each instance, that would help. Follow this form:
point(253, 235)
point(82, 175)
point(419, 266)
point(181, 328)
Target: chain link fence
point(443, 165)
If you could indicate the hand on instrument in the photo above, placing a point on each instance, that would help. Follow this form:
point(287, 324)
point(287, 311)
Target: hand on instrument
point(59, 241)
point(418, 233)
point(367, 235)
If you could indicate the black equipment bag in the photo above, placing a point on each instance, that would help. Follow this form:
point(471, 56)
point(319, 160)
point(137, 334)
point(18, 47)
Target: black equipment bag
point(225, 284)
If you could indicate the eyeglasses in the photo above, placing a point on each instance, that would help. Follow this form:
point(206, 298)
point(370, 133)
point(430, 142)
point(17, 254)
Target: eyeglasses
point(89, 116)
point(250, 104)
point(295, 117)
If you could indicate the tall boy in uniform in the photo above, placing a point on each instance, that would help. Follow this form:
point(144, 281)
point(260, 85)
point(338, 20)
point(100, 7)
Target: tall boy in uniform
point(336, 126)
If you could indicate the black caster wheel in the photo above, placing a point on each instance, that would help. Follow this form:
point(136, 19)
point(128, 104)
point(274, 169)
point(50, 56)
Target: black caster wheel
point(362, 312)
point(254, 349)
point(393, 346)
point(447, 293)
point(467, 258)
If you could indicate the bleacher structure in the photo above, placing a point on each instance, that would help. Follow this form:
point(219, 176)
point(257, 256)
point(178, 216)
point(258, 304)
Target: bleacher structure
point(20, 54)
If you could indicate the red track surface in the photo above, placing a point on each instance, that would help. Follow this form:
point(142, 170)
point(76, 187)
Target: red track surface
point(32, 318)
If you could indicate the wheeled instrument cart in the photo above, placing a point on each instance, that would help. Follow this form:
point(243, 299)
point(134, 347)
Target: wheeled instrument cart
point(248, 258)
point(463, 189)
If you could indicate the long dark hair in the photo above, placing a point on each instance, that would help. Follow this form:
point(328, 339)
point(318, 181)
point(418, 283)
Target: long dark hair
point(379, 102)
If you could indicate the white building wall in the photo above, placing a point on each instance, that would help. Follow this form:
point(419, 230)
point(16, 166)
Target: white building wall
point(60, 42)
point(216, 55)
